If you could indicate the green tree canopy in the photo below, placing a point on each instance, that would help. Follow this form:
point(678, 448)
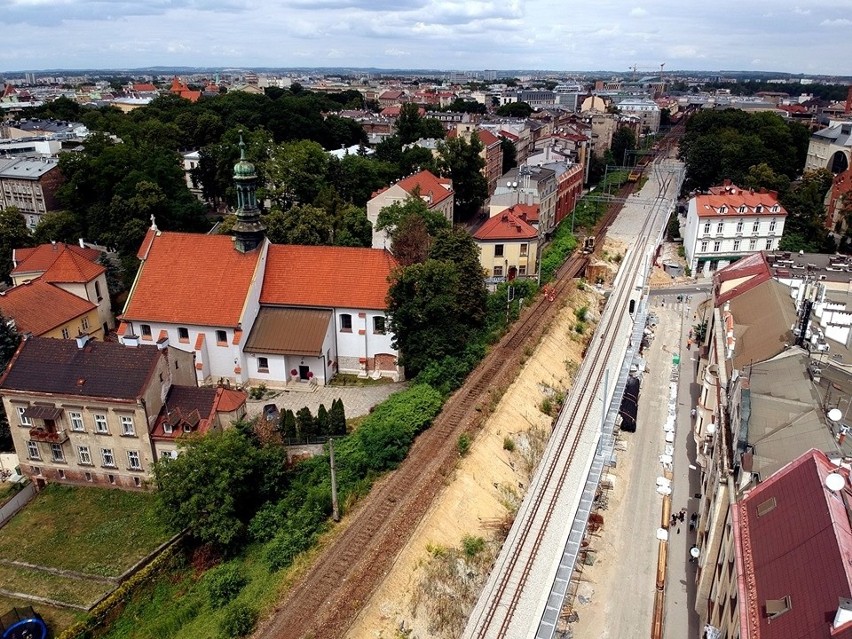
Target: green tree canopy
point(13, 234)
point(461, 161)
point(296, 172)
point(515, 110)
point(299, 225)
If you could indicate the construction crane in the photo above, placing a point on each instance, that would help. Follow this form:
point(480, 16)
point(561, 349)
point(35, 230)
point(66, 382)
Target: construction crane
point(635, 68)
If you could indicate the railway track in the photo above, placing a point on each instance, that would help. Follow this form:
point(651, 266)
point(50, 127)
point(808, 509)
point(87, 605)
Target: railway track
point(325, 601)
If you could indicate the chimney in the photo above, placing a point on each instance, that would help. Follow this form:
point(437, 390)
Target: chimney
point(82, 244)
point(53, 243)
point(163, 343)
point(131, 341)
point(82, 340)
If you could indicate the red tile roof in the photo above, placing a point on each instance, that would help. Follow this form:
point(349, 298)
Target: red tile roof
point(189, 278)
point(527, 212)
point(427, 185)
point(486, 137)
point(144, 87)
point(195, 407)
point(40, 258)
point(326, 276)
point(38, 307)
point(393, 111)
point(505, 226)
point(732, 198)
point(801, 548)
point(72, 267)
point(752, 269)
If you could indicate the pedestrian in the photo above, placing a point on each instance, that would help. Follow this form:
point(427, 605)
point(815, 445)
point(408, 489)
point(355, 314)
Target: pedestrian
point(692, 413)
point(680, 516)
point(678, 530)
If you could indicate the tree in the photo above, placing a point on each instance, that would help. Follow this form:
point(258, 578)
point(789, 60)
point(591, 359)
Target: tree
point(337, 418)
point(461, 161)
point(58, 226)
point(622, 141)
point(296, 172)
point(410, 240)
point(409, 123)
point(804, 202)
point(510, 154)
point(515, 110)
point(10, 338)
point(216, 484)
point(305, 423)
point(307, 225)
point(323, 421)
point(352, 228)
point(13, 234)
point(287, 425)
point(407, 234)
point(457, 246)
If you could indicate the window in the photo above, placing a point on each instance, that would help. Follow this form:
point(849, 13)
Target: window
point(720, 227)
point(84, 455)
point(88, 476)
point(736, 245)
point(522, 270)
point(32, 450)
point(498, 271)
point(98, 290)
point(774, 208)
point(25, 421)
point(772, 224)
point(752, 244)
point(65, 333)
point(379, 327)
point(168, 454)
point(101, 424)
point(57, 452)
point(61, 474)
point(221, 338)
point(769, 244)
point(707, 227)
point(146, 331)
point(111, 479)
point(85, 323)
point(742, 208)
point(262, 365)
point(127, 425)
point(76, 421)
point(524, 249)
point(703, 247)
point(109, 460)
point(183, 334)
point(498, 250)
point(716, 246)
point(756, 227)
point(777, 607)
point(133, 460)
point(740, 226)
point(167, 428)
point(346, 322)
point(137, 482)
point(723, 209)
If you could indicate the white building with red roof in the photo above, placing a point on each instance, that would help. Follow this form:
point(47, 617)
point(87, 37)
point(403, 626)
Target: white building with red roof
point(436, 192)
point(728, 223)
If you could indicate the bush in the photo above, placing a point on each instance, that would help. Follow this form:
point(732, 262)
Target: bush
point(472, 546)
point(286, 546)
point(223, 584)
point(463, 444)
point(239, 620)
point(581, 313)
point(257, 392)
point(508, 444)
point(546, 406)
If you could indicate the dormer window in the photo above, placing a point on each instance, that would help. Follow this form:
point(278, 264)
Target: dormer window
point(774, 208)
point(758, 208)
point(723, 209)
point(187, 428)
point(777, 607)
point(167, 428)
point(742, 208)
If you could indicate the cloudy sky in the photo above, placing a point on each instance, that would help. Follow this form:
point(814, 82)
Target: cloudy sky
point(808, 36)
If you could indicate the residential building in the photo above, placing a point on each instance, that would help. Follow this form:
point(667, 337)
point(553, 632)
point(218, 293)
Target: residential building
point(242, 306)
point(72, 268)
point(43, 309)
point(391, 97)
point(728, 223)
point(436, 192)
point(831, 148)
point(603, 128)
point(191, 160)
point(839, 202)
point(646, 110)
point(30, 184)
point(80, 410)
point(528, 185)
point(508, 247)
point(179, 88)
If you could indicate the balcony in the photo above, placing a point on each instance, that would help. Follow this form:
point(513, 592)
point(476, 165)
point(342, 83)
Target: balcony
point(44, 434)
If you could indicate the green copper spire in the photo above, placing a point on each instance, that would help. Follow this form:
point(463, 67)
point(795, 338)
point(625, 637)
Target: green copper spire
point(248, 229)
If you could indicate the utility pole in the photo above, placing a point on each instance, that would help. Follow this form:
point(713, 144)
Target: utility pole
point(335, 511)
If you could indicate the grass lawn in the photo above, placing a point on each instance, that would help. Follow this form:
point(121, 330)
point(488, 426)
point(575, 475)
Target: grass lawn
point(5, 493)
point(44, 584)
point(55, 618)
point(91, 530)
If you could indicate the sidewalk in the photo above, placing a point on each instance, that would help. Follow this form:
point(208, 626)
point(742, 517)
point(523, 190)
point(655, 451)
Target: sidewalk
point(681, 620)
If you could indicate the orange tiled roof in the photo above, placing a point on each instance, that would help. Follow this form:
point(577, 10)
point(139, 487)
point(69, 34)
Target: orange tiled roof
point(733, 197)
point(71, 267)
point(229, 400)
point(527, 212)
point(428, 184)
point(39, 259)
point(326, 276)
point(145, 87)
point(189, 278)
point(38, 307)
point(486, 137)
point(505, 226)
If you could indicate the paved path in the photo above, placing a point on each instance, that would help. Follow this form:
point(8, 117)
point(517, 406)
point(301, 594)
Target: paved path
point(357, 400)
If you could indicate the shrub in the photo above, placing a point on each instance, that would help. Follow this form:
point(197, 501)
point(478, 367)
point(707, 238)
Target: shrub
point(581, 313)
point(508, 444)
point(223, 584)
point(463, 444)
point(546, 406)
point(239, 620)
point(258, 391)
point(472, 546)
point(286, 546)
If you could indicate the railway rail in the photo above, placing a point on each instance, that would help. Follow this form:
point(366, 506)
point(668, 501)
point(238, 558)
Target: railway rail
point(325, 601)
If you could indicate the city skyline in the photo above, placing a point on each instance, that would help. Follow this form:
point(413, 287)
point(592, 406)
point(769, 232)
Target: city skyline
point(788, 37)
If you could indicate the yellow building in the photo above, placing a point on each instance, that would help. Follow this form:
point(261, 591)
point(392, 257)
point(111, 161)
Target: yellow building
point(508, 247)
point(43, 309)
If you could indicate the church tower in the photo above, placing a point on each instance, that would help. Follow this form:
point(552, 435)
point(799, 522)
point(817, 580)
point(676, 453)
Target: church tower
point(248, 229)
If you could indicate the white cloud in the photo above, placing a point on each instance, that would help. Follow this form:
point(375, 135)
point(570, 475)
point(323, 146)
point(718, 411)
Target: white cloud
point(638, 12)
point(837, 22)
point(801, 12)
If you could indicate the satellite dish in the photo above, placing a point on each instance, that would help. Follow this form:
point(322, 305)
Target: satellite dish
point(711, 428)
point(835, 482)
point(695, 552)
point(835, 414)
